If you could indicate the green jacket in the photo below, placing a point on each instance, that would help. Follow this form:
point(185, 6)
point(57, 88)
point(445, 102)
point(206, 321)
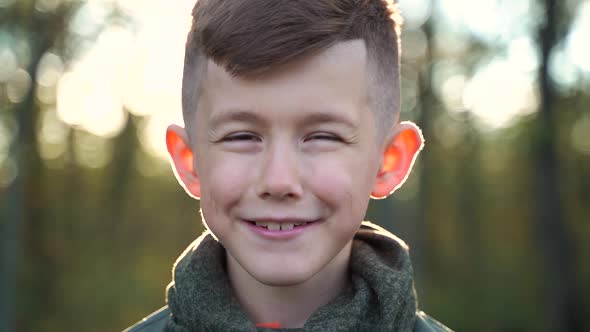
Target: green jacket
point(157, 322)
point(381, 296)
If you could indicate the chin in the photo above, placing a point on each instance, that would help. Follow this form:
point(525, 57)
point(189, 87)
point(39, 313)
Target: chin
point(281, 277)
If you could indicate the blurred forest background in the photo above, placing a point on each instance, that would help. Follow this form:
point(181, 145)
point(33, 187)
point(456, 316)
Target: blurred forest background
point(497, 211)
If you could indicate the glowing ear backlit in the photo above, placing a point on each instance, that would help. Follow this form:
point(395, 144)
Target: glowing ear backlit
point(181, 160)
point(398, 159)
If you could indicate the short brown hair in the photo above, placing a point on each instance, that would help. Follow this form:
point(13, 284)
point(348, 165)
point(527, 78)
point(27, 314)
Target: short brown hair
point(252, 37)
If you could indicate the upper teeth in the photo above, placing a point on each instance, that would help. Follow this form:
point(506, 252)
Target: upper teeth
point(275, 226)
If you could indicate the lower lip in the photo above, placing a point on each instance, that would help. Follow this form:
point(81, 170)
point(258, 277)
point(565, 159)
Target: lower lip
point(279, 235)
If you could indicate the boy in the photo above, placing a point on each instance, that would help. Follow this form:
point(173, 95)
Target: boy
point(291, 125)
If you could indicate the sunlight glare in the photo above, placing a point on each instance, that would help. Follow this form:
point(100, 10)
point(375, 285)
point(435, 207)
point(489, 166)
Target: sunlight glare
point(415, 13)
point(89, 18)
point(138, 71)
point(499, 93)
point(474, 15)
point(524, 54)
point(562, 70)
point(154, 80)
point(153, 131)
point(89, 96)
point(155, 76)
point(577, 45)
point(491, 21)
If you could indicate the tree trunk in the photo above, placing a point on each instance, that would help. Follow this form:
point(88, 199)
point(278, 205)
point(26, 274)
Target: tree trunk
point(23, 203)
point(561, 307)
point(420, 238)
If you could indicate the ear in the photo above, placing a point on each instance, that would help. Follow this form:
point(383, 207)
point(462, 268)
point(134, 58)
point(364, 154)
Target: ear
point(181, 160)
point(403, 146)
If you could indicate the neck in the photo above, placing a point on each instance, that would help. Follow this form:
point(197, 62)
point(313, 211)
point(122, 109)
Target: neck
point(290, 305)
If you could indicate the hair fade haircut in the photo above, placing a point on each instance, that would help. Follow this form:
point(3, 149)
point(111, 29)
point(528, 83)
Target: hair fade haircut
point(252, 37)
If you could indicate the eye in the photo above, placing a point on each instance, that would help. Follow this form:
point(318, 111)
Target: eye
point(324, 137)
point(241, 137)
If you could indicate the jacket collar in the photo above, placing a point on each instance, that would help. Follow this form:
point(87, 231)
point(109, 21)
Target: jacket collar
point(381, 296)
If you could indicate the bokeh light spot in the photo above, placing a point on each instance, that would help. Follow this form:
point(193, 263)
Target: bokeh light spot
point(409, 88)
point(562, 71)
point(6, 3)
point(415, 12)
point(90, 95)
point(414, 42)
point(89, 18)
point(8, 63)
point(580, 136)
point(452, 92)
point(450, 132)
point(487, 20)
point(448, 81)
point(152, 133)
point(499, 93)
point(18, 86)
point(577, 41)
point(6, 139)
point(47, 6)
point(524, 54)
point(92, 151)
point(8, 172)
point(49, 70)
point(52, 135)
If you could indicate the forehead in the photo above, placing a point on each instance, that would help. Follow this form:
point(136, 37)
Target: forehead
point(335, 77)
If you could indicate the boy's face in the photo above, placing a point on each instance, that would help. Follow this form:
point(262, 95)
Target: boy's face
point(297, 146)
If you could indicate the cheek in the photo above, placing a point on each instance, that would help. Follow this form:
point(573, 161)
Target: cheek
point(344, 185)
point(222, 187)
point(223, 180)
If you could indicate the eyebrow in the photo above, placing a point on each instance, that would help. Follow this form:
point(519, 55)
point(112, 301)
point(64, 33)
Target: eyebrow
point(235, 116)
point(313, 118)
point(328, 117)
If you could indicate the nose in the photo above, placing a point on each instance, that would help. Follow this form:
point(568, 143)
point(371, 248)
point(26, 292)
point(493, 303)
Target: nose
point(279, 177)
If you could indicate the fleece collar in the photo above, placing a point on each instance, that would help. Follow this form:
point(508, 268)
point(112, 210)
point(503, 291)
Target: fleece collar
point(381, 296)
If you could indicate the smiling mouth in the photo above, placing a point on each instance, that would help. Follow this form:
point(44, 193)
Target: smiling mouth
point(282, 226)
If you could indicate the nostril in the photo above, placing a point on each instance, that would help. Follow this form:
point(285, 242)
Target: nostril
point(287, 193)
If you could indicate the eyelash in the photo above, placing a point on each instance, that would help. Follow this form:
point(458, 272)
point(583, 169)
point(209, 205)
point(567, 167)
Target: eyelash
point(241, 137)
point(322, 136)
